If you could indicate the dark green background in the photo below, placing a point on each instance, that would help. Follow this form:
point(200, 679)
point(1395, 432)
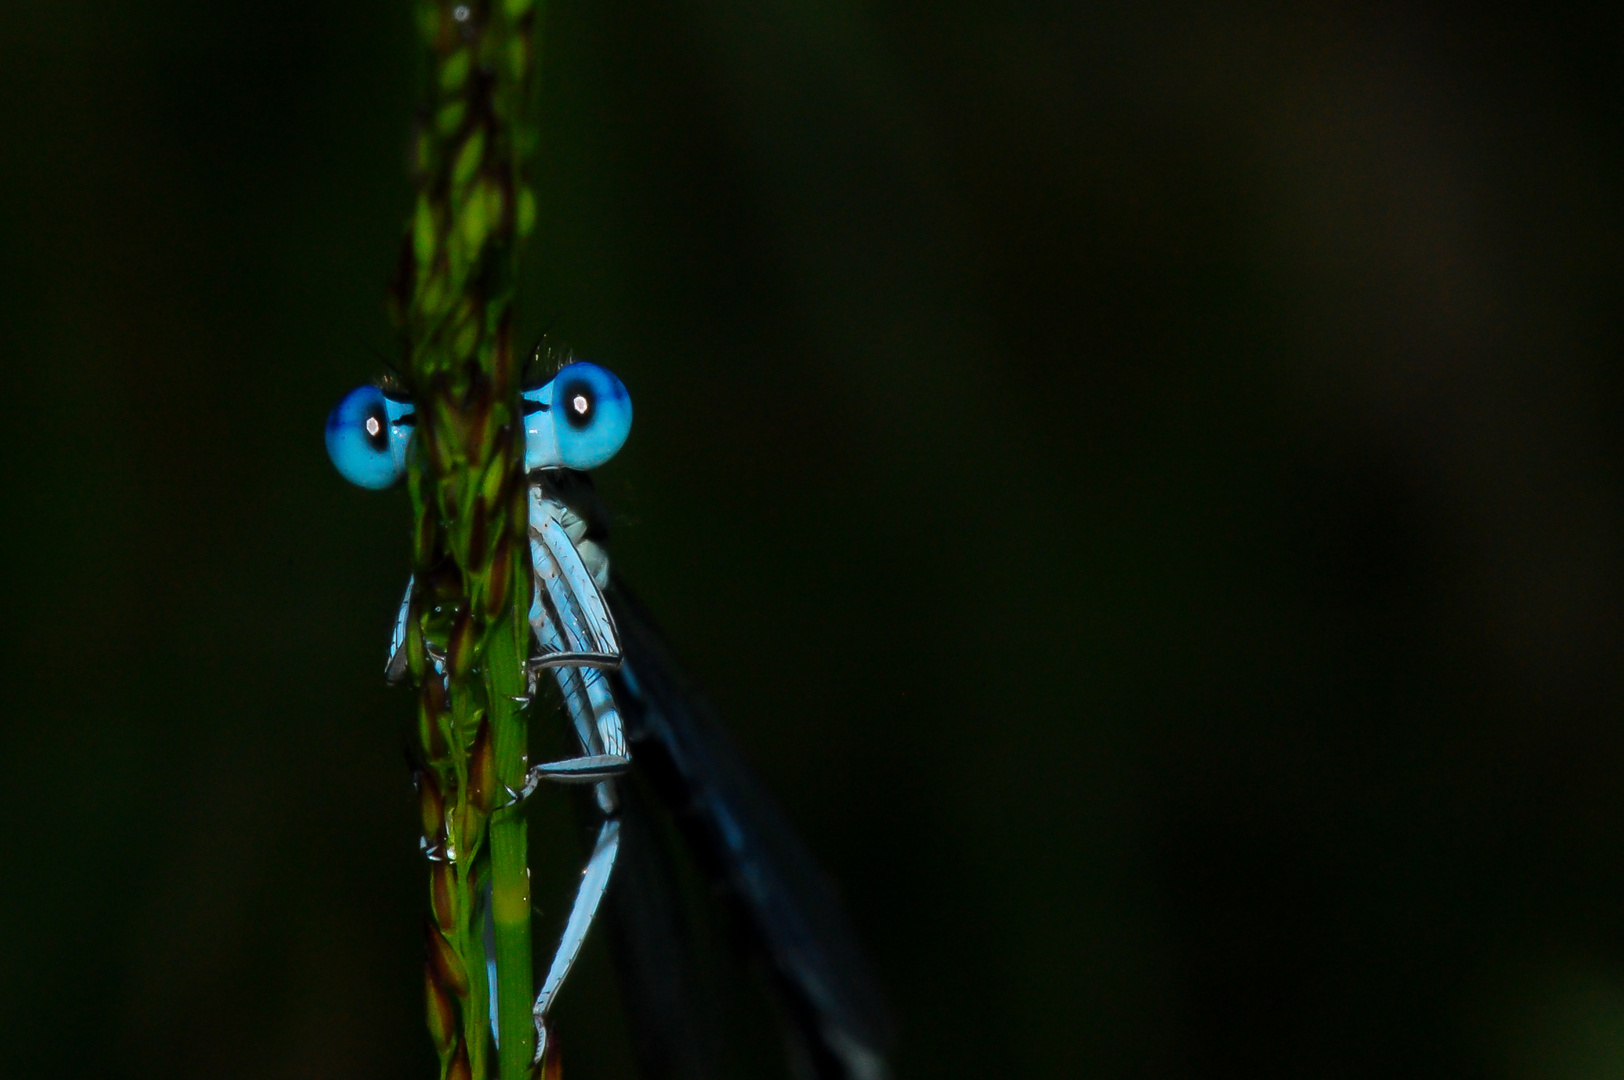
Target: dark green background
point(1143, 481)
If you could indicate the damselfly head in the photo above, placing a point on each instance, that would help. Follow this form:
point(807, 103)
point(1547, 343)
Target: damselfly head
point(578, 420)
point(367, 433)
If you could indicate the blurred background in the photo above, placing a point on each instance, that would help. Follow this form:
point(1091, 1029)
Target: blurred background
point(1143, 482)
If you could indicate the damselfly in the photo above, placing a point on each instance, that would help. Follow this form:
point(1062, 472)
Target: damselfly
point(631, 706)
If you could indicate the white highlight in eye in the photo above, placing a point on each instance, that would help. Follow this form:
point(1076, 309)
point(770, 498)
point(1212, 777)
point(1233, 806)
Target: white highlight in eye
point(373, 427)
point(460, 13)
point(580, 404)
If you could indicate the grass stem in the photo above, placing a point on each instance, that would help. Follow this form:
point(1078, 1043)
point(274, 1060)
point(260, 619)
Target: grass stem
point(452, 302)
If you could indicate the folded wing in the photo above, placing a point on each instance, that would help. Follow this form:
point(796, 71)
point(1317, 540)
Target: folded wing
point(743, 841)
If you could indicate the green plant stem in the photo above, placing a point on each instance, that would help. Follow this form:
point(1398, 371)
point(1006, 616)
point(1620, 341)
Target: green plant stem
point(452, 301)
point(510, 870)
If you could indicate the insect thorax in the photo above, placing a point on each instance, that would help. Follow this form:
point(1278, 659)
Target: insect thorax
point(568, 498)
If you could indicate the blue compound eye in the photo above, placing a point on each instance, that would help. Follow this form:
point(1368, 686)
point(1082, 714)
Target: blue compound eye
point(591, 415)
point(367, 434)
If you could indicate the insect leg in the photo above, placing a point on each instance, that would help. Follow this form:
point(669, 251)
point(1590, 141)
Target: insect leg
point(567, 597)
point(596, 718)
point(394, 670)
point(594, 881)
point(591, 706)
